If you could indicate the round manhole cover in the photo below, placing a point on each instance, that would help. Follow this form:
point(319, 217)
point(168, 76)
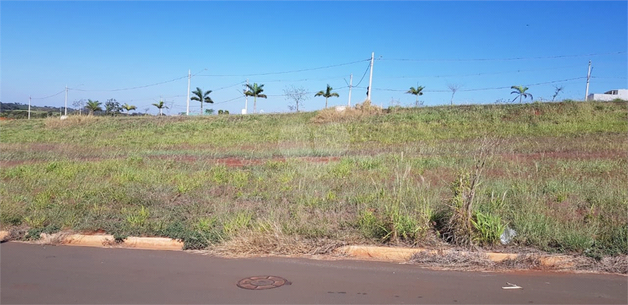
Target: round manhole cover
point(262, 282)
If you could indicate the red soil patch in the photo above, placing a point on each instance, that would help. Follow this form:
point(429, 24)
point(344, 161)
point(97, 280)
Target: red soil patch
point(239, 162)
point(565, 155)
point(229, 162)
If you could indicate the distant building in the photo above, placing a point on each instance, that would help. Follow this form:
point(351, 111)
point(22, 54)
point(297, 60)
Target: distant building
point(621, 94)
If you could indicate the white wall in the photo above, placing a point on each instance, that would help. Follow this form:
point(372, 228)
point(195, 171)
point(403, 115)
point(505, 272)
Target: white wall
point(621, 94)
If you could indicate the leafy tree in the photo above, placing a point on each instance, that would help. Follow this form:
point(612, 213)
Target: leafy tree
point(112, 107)
point(416, 92)
point(128, 108)
point(160, 106)
point(521, 93)
point(209, 111)
point(297, 95)
point(202, 97)
point(93, 106)
point(327, 94)
point(255, 91)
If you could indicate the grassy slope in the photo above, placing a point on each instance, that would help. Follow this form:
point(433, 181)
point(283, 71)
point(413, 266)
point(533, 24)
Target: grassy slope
point(561, 166)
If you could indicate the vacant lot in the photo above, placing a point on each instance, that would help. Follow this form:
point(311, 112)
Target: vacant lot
point(555, 173)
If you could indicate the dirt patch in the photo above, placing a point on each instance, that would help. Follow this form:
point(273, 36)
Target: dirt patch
point(241, 162)
point(579, 155)
point(229, 162)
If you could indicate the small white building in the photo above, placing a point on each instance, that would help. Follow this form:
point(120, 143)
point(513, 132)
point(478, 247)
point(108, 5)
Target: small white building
point(609, 95)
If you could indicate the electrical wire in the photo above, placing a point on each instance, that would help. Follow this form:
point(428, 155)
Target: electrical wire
point(486, 89)
point(49, 96)
point(227, 101)
point(286, 72)
point(230, 86)
point(535, 84)
point(479, 74)
point(506, 59)
point(367, 69)
point(618, 77)
point(132, 88)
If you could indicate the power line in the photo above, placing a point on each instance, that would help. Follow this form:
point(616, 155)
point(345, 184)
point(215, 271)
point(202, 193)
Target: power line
point(226, 87)
point(617, 77)
point(132, 88)
point(480, 74)
point(286, 72)
point(365, 71)
point(301, 80)
point(535, 84)
point(49, 96)
point(506, 59)
point(485, 89)
point(227, 101)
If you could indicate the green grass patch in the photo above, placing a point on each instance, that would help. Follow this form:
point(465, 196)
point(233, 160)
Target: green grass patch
point(557, 176)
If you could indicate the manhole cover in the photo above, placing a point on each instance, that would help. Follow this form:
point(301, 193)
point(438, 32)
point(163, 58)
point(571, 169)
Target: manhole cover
point(262, 282)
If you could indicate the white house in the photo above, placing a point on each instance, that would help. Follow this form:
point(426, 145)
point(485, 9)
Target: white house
point(609, 95)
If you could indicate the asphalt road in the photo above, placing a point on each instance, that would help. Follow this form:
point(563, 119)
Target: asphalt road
point(65, 274)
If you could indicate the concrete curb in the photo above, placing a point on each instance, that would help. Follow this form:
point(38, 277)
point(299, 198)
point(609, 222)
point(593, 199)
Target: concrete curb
point(401, 255)
point(389, 254)
point(104, 240)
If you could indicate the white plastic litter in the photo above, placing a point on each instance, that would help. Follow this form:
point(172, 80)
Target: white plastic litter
point(512, 286)
point(507, 236)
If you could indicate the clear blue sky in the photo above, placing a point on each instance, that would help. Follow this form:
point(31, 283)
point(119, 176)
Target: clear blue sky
point(118, 45)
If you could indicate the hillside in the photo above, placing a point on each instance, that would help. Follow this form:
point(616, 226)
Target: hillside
point(20, 111)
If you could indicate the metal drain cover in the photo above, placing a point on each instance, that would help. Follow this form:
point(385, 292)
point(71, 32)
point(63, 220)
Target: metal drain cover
point(262, 282)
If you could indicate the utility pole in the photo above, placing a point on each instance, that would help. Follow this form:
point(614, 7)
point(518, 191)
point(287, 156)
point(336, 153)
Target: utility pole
point(368, 97)
point(586, 94)
point(29, 107)
point(350, 85)
point(187, 110)
point(246, 99)
point(66, 100)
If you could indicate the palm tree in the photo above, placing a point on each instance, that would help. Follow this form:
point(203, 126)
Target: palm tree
point(160, 106)
point(327, 94)
point(202, 97)
point(128, 108)
point(416, 91)
point(93, 106)
point(255, 91)
point(521, 93)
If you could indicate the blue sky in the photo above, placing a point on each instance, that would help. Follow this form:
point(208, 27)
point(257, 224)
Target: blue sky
point(96, 48)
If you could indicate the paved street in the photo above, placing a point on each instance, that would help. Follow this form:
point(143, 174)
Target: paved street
point(69, 275)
